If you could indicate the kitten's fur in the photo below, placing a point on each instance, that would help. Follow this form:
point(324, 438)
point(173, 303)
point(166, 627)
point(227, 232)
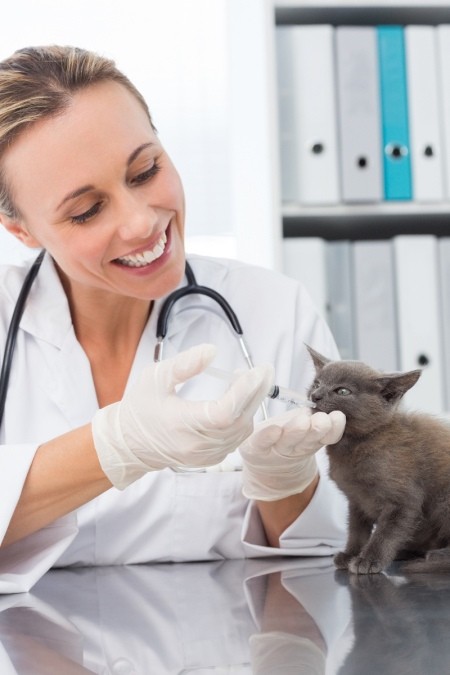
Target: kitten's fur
point(393, 466)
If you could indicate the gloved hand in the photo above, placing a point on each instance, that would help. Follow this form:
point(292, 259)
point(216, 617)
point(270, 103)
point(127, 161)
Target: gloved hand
point(279, 652)
point(152, 428)
point(278, 458)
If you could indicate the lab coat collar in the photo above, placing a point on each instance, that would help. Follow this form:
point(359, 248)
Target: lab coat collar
point(48, 320)
point(47, 313)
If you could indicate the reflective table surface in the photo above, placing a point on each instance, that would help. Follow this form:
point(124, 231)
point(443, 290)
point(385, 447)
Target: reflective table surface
point(265, 617)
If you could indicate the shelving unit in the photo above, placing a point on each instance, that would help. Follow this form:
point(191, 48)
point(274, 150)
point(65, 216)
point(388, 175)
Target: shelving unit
point(320, 242)
point(376, 220)
point(368, 221)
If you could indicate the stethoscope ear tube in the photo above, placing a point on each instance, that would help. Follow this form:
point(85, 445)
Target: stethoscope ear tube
point(193, 288)
point(14, 328)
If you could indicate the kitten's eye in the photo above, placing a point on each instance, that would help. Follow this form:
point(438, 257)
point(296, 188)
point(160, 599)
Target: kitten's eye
point(342, 391)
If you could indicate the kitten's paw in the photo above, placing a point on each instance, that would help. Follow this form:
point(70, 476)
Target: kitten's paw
point(342, 560)
point(360, 565)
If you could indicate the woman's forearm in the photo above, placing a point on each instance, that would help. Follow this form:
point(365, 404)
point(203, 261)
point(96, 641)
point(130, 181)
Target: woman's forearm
point(64, 475)
point(277, 515)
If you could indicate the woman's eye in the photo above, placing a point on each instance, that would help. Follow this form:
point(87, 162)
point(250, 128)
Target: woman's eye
point(342, 391)
point(146, 175)
point(82, 217)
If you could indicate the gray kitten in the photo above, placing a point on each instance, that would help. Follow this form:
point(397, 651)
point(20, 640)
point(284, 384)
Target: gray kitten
point(392, 465)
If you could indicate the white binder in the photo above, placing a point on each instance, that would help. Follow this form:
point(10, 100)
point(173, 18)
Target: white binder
point(287, 122)
point(444, 278)
point(359, 121)
point(443, 42)
point(375, 306)
point(424, 116)
point(340, 296)
point(306, 82)
point(304, 259)
point(419, 324)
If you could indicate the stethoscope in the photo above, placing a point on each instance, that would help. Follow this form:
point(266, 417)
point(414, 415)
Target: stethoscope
point(192, 287)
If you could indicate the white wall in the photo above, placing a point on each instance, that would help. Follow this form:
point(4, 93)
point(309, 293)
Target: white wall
point(176, 52)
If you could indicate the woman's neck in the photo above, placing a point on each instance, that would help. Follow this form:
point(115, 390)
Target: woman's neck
point(109, 328)
point(114, 324)
point(110, 340)
point(104, 318)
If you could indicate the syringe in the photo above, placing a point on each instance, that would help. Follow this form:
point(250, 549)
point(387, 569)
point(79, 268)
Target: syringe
point(276, 392)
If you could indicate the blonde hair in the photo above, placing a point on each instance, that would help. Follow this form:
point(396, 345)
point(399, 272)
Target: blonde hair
point(39, 82)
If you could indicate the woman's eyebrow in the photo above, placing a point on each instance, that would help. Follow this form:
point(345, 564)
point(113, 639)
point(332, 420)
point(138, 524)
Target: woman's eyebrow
point(86, 188)
point(75, 193)
point(136, 152)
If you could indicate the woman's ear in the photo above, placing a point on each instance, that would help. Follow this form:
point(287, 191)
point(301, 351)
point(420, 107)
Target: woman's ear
point(18, 230)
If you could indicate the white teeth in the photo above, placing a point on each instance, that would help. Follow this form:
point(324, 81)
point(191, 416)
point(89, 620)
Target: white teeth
point(146, 257)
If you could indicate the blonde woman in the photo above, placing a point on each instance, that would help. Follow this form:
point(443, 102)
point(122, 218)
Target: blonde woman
point(94, 433)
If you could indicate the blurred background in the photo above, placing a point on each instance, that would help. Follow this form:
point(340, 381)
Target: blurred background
point(194, 62)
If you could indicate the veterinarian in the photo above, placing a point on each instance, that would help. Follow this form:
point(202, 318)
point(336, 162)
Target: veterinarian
point(106, 456)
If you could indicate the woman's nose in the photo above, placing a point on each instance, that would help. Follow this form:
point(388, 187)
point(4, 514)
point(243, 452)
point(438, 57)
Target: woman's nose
point(137, 221)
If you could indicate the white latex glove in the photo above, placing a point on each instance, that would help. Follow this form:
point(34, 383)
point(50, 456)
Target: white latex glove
point(152, 428)
point(278, 458)
point(283, 653)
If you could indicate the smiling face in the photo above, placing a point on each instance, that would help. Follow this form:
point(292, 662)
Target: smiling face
point(95, 187)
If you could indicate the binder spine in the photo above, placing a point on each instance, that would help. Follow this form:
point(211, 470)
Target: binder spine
point(358, 108)
point(308, 130)
point(424, 117)
point(394, 113)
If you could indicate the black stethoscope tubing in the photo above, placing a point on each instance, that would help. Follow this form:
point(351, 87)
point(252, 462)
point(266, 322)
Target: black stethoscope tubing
point(192, 287)
point(14, 329)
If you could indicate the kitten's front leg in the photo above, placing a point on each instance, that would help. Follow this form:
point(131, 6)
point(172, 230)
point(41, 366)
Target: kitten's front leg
point(394, 528)
point(359, 531)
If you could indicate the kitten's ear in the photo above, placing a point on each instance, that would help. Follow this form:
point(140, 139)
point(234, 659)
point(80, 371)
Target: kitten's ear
point(318, 359)
point(395, 385)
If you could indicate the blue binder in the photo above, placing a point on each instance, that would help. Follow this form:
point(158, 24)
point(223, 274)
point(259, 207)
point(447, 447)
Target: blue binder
point(394, 113)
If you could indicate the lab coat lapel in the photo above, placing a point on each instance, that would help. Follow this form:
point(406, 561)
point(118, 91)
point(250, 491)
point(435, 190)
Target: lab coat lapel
point(64, 370)
point(68, 380)
point(74, 393)
point(146, 348)
point(46, 316)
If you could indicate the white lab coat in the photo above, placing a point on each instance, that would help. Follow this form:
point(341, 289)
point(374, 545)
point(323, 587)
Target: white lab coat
point(165, 516)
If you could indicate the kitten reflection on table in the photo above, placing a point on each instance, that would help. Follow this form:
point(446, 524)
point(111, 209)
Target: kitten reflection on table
point(401, 624)
point(392, 465)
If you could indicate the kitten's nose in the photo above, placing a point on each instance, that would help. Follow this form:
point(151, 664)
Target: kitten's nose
point(316, 396)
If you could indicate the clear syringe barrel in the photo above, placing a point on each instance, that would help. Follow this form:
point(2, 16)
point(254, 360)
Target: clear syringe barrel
point(289, 396)
point(276, 392)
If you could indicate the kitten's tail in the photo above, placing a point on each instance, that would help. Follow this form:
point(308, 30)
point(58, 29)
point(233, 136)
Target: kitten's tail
point(440, 563)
